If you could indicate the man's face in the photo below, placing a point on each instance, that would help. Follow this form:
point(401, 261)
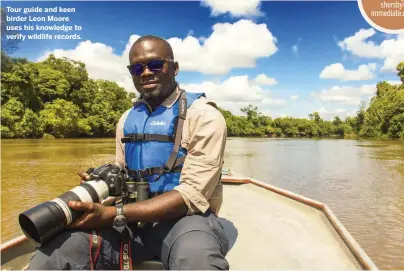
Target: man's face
point(153, 85)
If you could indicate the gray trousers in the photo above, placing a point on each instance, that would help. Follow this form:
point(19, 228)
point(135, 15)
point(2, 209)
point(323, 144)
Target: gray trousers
point(192, 242)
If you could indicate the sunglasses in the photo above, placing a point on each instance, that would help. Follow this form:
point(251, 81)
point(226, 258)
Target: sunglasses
point(155, 65)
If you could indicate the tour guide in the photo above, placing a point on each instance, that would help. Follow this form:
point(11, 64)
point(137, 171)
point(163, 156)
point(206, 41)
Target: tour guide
point(180, 226)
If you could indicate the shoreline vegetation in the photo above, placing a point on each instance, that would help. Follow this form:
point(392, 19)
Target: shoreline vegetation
point(55, 98)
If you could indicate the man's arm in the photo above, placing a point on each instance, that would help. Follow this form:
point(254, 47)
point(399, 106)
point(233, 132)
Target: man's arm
point(119, 147)
point(169, 205)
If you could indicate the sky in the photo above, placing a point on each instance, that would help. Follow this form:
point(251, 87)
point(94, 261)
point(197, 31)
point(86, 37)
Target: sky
point(287, 58)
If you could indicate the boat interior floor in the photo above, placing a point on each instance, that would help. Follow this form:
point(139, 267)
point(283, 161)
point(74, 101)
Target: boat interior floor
point(270, 231)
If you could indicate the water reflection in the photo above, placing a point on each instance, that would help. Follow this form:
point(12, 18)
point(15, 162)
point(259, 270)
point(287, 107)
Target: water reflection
point(360, 180)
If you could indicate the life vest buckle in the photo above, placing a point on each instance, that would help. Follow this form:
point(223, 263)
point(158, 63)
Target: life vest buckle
point(139, 137)
point(149, 171)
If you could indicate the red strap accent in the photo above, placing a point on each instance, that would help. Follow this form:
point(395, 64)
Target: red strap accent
point(97, 238)
point(91, 256)
point(120, 257)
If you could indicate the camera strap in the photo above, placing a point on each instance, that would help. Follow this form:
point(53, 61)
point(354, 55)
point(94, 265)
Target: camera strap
point(95, 246)
point(125, 254)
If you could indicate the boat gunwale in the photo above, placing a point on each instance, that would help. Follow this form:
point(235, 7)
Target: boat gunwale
point(351, 243)
point(13, 242)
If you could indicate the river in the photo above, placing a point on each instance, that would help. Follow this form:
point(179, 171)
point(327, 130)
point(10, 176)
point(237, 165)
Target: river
point(362, 181)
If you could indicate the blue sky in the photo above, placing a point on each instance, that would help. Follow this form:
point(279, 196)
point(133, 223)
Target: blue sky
point(222, 47)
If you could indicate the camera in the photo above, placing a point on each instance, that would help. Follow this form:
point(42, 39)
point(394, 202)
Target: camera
point(40, 223)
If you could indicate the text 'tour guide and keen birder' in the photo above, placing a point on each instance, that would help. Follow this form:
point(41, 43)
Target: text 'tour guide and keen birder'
point(39, 23)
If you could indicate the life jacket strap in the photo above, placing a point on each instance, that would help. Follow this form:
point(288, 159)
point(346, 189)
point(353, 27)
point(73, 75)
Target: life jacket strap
point(182, 113)
point(157, 170)
point(146, 137)
point(150, 171)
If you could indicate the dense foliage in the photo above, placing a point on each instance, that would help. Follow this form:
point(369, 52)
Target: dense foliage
point(56, 98)
point(383, 118)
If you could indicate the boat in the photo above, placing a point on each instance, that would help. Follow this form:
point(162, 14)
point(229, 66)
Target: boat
point(268, 228)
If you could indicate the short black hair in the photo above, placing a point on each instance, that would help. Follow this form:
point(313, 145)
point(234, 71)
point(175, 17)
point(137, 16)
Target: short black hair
point(156, 39)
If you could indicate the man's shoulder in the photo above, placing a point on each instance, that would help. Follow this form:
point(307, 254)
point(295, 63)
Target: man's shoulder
point(206, 110)
point(123, 118)
point(125, 114)
point(203, 105)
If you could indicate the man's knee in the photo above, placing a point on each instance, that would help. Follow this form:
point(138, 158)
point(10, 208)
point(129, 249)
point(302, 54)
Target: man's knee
point(199, 250)
point(68, 250)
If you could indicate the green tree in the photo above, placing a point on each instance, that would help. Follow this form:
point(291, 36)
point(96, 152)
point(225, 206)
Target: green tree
point(20, 83)
point(396, 129)
point(11, 113)
point(315, 117)
point(73, 71)
point(251, 112)
point(400, 71)
point(30, 126)
point(61, 119)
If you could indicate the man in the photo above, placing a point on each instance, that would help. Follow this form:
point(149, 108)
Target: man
point(182, 228)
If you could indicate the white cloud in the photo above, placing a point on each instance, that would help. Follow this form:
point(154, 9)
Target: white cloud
point(295, 50)
point(101, 61)
point(389, 50)
point(294, 97)
point(358, 45)
point(340, 110)
point(262, 79)
point(394, 82)
point(217, 55)
point(330, 114)
point(337, 71)
point(347, 95)
point(229, 46)
point(237, 8)
point(236, 92)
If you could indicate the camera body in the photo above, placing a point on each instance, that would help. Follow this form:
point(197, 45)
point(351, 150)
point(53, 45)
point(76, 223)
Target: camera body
point(112, 175)
point(45, 220)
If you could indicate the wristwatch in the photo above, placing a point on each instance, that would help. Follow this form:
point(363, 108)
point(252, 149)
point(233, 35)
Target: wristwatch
point(120, 219)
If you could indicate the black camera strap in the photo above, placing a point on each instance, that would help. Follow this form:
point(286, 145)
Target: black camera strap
point(125, 254)
point(95, 246)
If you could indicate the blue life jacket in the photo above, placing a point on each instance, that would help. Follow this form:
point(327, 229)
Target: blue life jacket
point(152, 142)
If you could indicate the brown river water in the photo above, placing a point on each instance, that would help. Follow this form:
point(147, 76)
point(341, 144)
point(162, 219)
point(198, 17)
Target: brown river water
point(361, 181)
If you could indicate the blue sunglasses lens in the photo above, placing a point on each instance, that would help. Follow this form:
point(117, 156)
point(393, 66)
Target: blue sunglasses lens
point(137, 69)
point(156, 65)
point(153, 65)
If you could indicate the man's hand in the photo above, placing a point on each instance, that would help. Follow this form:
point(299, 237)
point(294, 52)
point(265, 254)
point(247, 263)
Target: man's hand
point(84, 177)
point(95, 215)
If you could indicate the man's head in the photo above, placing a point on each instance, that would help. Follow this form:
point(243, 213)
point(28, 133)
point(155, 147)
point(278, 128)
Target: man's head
point(153, 68)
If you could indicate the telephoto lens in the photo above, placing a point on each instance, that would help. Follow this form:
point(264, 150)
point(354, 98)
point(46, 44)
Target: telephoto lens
point(45, 220)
